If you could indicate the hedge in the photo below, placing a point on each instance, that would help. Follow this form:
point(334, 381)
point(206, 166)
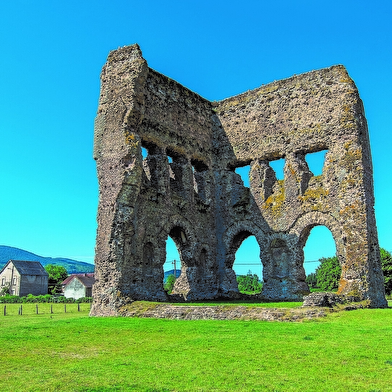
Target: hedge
point(9, 299)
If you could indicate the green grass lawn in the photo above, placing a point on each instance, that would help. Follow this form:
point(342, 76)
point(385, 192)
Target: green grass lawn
point(346, 351)
point(43, 308)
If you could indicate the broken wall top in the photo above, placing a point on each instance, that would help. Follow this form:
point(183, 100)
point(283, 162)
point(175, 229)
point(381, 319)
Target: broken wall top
point(265, 123)
point(160, 110)
point(303, 114)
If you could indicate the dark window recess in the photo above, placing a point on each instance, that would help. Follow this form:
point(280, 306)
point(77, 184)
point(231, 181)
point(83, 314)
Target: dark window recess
point(200, 178)
point(151, 155)
point(177, 164)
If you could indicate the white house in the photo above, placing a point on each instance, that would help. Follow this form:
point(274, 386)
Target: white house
point(78, 286)
point(20, 277)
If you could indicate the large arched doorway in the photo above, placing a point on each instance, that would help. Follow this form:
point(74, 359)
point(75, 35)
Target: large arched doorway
point(320, 246)
point(247, 266)
point(320, 243)
point(179, 256)
point(193, 265)
point(172, 265)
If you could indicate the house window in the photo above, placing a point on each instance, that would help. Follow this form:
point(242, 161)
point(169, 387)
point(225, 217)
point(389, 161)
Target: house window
point(3, 281)
point(14, 282)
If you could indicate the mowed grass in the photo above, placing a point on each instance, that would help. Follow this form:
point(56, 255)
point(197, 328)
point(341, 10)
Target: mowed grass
point(347, 351)
point(43, 308)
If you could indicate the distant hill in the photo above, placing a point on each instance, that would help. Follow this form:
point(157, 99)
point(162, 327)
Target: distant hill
point(72, 266)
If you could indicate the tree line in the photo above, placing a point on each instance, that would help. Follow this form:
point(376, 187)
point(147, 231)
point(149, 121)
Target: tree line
point(325, 278)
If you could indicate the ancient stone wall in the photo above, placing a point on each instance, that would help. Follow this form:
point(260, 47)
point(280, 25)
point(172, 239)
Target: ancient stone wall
point(186, 187)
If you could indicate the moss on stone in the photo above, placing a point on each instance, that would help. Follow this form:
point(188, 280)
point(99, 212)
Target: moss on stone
point(315, 198)
point(275, 202)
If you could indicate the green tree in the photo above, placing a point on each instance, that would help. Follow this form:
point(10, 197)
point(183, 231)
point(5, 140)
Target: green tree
point(57, 274)
point(311, 280)
point(249, 283)
point(386, 264)
point(328, 273)
point(168, 286)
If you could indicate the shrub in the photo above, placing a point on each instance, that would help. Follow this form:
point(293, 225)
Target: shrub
point(9, 299)
point(249, 283)
point(42, 299)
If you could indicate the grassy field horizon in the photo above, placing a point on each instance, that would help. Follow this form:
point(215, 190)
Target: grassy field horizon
point(345, 351)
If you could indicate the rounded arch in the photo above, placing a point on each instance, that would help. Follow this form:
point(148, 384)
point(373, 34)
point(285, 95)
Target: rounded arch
point(307, 222)
point(236, 234)
point(181, 222)
point(273, 240)
point(181, 232)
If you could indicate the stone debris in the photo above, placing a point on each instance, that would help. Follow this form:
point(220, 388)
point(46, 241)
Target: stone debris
point(329, 300)
point(188, 312)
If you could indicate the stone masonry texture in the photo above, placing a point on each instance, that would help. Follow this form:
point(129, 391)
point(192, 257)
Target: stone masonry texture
point(187, 188)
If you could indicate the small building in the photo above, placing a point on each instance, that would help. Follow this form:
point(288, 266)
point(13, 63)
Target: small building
point(78, 286)
point(20, 277)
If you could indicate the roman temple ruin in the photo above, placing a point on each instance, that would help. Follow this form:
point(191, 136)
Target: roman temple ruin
point(187, 188)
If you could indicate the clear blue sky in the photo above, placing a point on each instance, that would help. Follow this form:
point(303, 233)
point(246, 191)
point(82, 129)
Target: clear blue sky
point(51, 54)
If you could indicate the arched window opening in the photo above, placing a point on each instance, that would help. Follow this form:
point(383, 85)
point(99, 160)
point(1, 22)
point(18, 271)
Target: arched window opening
point(278, 167)
point(320, 244)
point(244, 173)
point(239, 186)
point(315, 161)
point(247, 264)
point(172, 266)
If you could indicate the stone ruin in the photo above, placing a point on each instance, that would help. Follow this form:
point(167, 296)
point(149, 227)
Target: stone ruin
point(187, 187)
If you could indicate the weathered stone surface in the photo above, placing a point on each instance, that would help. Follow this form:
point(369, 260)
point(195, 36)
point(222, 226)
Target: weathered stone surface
point(329, 300)
point(198, 200)
point(175, 312)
